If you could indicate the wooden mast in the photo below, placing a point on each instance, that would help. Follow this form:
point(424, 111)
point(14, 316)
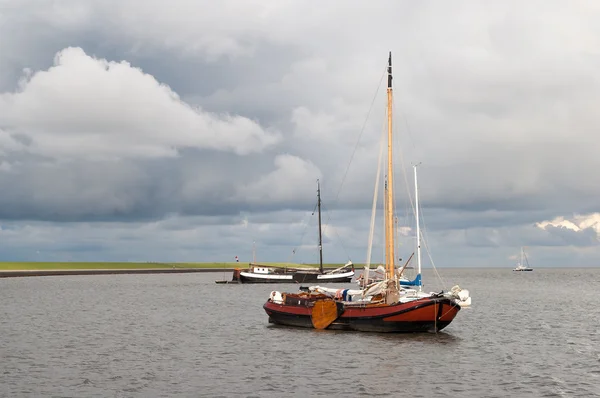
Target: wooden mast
point(389, 220)
point(320, 237)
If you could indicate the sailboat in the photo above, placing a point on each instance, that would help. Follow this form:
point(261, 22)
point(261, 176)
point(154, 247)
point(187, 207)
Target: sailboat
point(384, 306)
point(520, 266)
point(262, 273)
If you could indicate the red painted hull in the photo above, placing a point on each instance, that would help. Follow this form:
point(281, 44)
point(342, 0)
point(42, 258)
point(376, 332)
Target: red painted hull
point(429, 314)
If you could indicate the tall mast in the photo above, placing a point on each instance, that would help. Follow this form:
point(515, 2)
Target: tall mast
point(389, 224)
point(418, 224)
point(521, 263)
point(320, 237)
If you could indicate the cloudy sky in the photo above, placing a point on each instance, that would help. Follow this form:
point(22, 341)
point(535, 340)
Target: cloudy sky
point(187, 130)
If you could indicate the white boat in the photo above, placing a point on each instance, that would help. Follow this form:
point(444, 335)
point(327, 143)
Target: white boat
point(520, 266)
point(264, 273)
point(257, 273)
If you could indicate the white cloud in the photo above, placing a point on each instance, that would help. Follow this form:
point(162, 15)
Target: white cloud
point(292, 178)
point(579, 223)
point(83, 107)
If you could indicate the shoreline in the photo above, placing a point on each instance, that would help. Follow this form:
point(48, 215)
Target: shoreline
point(107, 271)
point(64, 272)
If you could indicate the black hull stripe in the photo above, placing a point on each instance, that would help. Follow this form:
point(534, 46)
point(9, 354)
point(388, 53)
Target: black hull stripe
point(245, 279)
point(366, 326)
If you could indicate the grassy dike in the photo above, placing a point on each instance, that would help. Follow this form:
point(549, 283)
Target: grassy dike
point(50, 266)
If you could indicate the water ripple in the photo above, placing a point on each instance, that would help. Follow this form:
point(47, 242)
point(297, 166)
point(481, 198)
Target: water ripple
point(183, 335)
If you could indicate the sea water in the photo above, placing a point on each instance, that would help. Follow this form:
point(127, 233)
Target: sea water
point(527, 334)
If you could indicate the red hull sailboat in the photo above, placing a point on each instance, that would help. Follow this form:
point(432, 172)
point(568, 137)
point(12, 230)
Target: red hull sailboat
point(320, 311)
point(385, 306)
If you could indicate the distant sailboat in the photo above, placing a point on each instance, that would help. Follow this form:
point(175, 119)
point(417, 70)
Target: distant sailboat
point(520, 266)
point(264, 273)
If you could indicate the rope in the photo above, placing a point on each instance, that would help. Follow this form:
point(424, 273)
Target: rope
point(423, 232)
point(412, 202)
point(435, 318)
point(362, 130)
point(338, 235)
point(374, 207)
point(441, 316)
point(302, 236)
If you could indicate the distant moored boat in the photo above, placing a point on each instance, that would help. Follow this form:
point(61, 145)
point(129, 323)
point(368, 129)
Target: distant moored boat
point(520, 266)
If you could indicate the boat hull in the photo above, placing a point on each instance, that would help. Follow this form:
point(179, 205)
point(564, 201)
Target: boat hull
point(430, 314)
point(297, 277)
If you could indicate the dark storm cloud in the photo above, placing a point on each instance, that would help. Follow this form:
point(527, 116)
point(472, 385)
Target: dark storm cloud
point(240, 106)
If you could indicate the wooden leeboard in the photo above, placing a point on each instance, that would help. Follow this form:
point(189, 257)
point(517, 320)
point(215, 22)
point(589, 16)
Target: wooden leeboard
point(324, 313)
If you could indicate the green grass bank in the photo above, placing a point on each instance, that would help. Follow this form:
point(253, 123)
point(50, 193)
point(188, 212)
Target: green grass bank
point(48, 266)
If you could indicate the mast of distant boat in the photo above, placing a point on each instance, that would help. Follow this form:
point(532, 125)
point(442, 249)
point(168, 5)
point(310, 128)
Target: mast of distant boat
point(522, 264)
point(320, 236)
point(417, 222)
point(389, 208)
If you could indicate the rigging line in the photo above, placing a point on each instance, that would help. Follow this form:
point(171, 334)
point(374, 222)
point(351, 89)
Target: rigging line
point(303, 234)
point(412, 141)
point(374, 205)
point(402, 164)
point(406, 183)
point(410, 197)
point(412, 204)
point(411, 200)
point(382, 181)
point(394, 193)
point(424, 231)
point(383, 229)
point(425, 239)
point(362, 130)
point(338, 235)
point(403, 167)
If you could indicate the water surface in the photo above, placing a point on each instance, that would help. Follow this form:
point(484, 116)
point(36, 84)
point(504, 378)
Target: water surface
point(529, 334)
